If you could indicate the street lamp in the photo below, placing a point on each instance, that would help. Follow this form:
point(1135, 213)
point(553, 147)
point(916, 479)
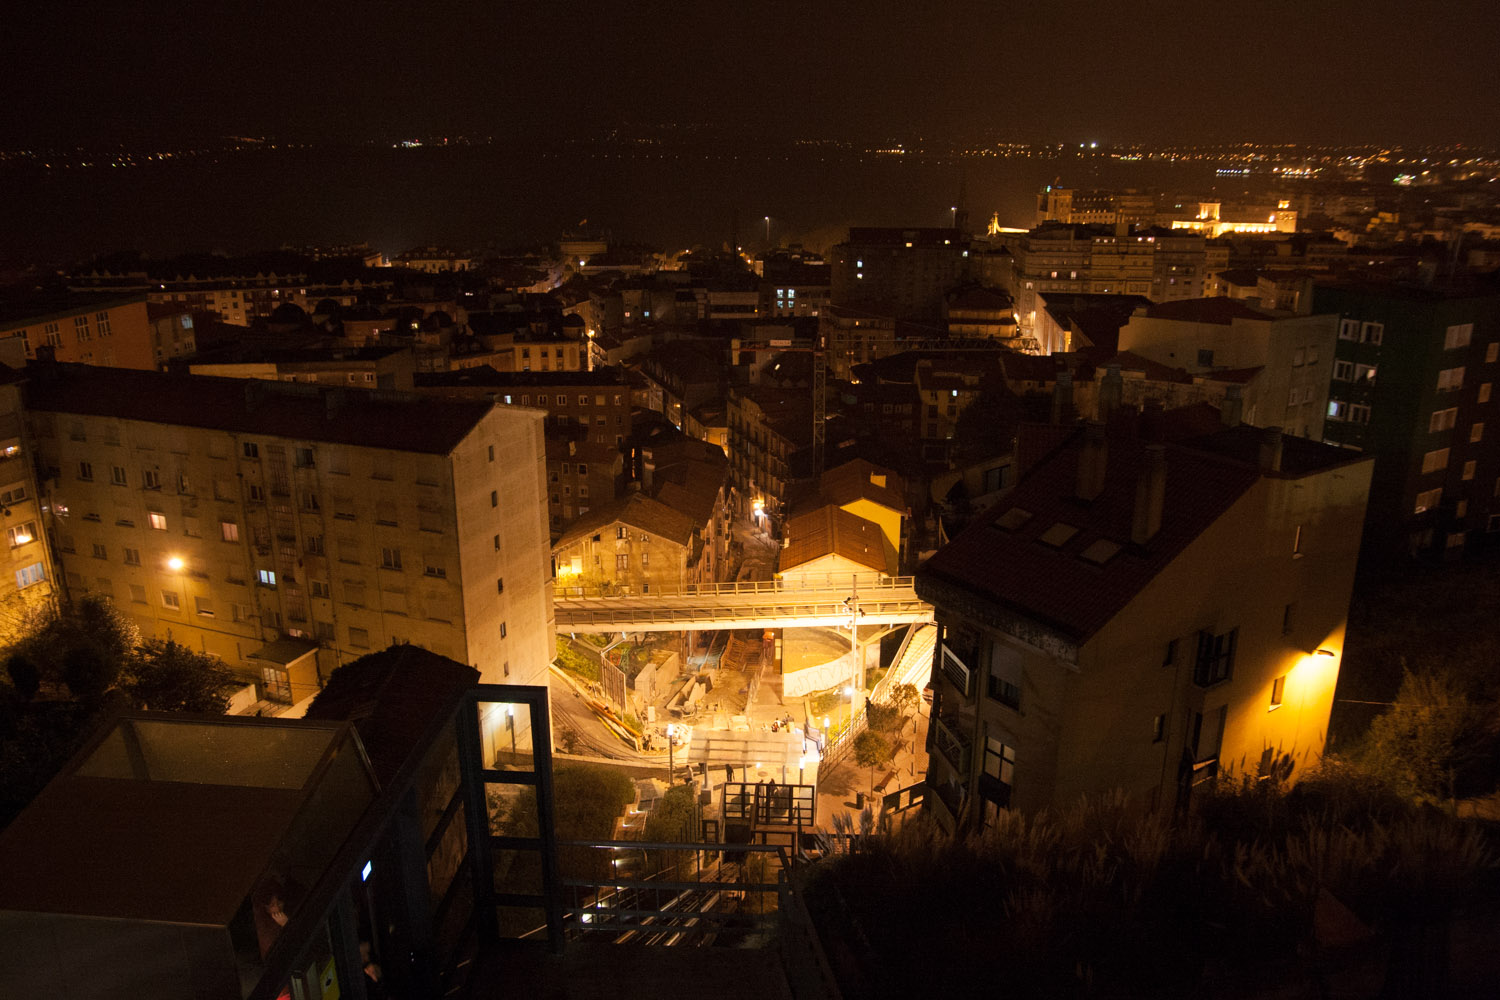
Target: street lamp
point(768, 230)
point(953, 211)
point(175, 564)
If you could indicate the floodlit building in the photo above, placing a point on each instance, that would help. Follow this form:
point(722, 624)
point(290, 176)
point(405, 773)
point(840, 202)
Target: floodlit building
point(254, 519)
point(1140, 614)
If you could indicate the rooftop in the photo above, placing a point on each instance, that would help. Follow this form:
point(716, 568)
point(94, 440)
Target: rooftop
point(637, 511)
point(831, 530)
point(1070, 565)
point(360, 417)
point(1218, 310)
point(176, 818)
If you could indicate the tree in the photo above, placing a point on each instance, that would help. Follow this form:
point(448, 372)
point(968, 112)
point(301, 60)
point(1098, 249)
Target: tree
point(24, 674)
point(1433, 732)
point(164, 676)
point(89, 671)
point(871, 750)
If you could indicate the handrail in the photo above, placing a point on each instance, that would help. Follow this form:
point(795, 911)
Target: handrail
point(562, 592)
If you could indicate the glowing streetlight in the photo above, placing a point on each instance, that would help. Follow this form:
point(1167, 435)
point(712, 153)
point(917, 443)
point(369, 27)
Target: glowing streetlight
point(953, 211)
point(768, 230)
point(175, 564)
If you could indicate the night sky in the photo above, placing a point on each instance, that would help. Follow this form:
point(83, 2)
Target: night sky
point(1273, 70)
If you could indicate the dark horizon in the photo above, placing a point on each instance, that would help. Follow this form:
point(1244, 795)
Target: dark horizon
point(169, 72)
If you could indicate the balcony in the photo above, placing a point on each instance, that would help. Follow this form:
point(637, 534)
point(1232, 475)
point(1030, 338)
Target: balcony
point(953, 745)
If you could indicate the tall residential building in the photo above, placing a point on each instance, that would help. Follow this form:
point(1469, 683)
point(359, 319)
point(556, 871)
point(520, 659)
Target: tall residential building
point(1413, 382)
point(1222, 335)
point(1140, 614)
point(902, 273)
point(263, 521)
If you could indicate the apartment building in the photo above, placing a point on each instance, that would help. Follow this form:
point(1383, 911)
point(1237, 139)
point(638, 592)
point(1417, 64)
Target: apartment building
point(1209, 336)
point(112, 330)
point(1414, 371)
point(260, 521)
point(378, 366)
point(902, 273)
point(854, 337)
point(28, 579)
point(237, 298)
point(770, 445)
point(1141, 614)
point(593, 405)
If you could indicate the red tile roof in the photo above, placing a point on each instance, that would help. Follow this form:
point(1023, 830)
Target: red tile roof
point(852, 481)
point(832, 530)
point(1053, 585)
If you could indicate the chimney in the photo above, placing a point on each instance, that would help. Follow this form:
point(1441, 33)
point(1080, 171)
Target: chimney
point(1232, 408)
point(1150, 491)
point(1111, 392)
point(1091, 462)
point(1062, 399)
point(1270, 449)
point(648, 468)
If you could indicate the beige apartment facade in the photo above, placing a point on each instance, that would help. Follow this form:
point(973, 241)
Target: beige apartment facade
point(260, 521)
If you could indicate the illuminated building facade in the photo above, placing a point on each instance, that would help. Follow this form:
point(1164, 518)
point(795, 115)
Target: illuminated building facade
point(242, 516)
point(1140, 615)
point(92, 330)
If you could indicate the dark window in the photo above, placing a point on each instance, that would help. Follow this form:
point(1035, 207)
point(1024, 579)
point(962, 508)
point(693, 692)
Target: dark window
point(1205, 358)
point(1171, 654)
point(1215, 658)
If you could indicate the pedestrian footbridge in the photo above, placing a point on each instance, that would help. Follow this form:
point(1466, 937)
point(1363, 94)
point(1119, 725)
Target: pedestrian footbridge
point(746, 604)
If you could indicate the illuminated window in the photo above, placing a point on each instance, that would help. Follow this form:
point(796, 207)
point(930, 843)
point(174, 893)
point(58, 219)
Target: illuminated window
point(1435, 460)
point(1450, 378)
point(1492, 353)
point(1469, 468)
point(169, 600)
point(1442, 420)
point(157, 521)
point(1484, 392)
point(1427, 500)
point(1476, 433)
point(267, 578)
point(22, 534)
point(1458, 336)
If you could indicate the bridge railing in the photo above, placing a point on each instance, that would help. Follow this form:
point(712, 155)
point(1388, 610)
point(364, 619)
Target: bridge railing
point(873, 589)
